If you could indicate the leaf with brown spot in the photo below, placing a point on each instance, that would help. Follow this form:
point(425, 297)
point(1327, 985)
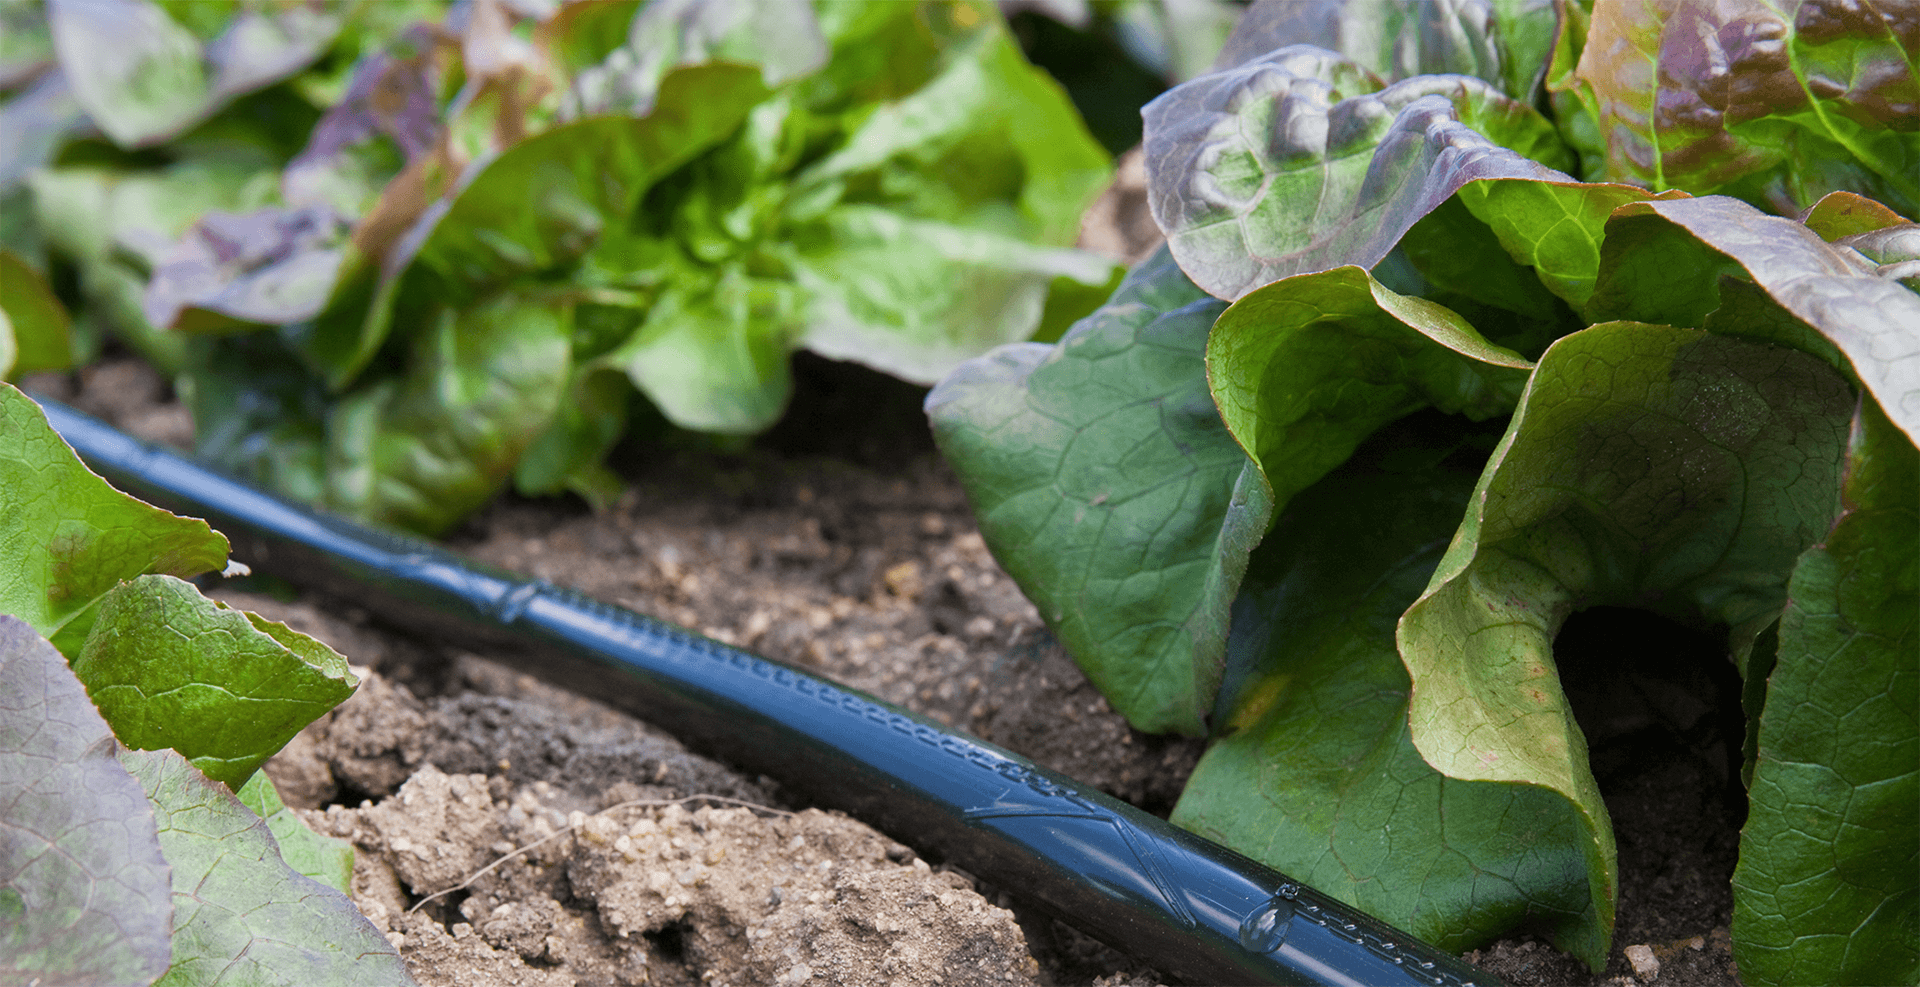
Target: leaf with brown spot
point(69, 537)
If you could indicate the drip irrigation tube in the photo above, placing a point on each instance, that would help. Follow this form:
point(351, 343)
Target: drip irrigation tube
point(1194, 909)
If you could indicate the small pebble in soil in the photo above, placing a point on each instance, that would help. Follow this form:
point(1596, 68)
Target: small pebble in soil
point(1646, 966)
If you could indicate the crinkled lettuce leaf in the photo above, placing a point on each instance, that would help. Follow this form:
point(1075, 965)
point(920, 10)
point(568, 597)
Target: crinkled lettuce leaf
point(1683, 470)
point(482, 372)
point(1774, 103)
point(885, 182)
point(1503, 42)
point(1303, 160)
point(982, 175)
point(907, 233)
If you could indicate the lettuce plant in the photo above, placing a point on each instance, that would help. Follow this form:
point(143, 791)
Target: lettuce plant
point(494, 227)
point(134, 714)
point(1324, 480)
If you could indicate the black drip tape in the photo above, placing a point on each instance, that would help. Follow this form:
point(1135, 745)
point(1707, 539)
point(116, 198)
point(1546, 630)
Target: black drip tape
point(1187, 906)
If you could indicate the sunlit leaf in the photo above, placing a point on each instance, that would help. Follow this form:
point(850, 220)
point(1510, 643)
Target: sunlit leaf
point(1303, 161)
point(170, 668)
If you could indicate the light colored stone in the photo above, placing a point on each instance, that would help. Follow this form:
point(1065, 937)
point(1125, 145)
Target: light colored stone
point(1646, 966)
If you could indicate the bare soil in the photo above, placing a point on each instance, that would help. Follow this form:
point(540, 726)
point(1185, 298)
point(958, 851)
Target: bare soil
point(839, 543)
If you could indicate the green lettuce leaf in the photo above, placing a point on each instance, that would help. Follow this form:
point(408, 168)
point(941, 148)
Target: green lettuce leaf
point(902, 206)
point(544, 202)
point(1303, 370)
point(1313, 771)
point(146, 78)
point(584, 176)
point(570, 453)
point(69, 538)
point(1660, 468)
point(1828, 885)
point(169, 668)
point(916, 297)
point(887, 182)
point(482, 368)
point(165, 667)
point(426, 448)
point(1773, 103)
point(1108, 488)
point(1504, 42)
point(934, 269)
point(1555, 228)
point(1303, 161)
point(985, 106)
point(713, 357)
point(783, 37)
point(84, 891)
point(258, 411)
point(1664, 261)
point(326, 859)
point(241, 915)
point(35, 331)
point(1465, 267)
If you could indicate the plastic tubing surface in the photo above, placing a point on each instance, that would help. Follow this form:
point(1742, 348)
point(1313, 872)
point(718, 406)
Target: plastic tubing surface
point(1192, 908)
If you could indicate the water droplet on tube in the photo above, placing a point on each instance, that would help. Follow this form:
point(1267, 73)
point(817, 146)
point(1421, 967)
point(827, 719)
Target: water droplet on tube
point(1266, 927)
